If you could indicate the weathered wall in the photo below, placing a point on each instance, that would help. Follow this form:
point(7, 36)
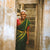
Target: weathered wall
point(28, 1)
point(46, 25)
point(7, 24)
point(1, 25)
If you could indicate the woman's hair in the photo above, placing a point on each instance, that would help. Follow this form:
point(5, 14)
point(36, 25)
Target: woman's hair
point(24, 11)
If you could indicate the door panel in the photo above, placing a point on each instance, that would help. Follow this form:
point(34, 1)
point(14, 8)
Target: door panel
point(32, 17)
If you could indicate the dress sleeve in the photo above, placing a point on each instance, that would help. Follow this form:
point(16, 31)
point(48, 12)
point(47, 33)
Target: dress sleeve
point(28, 27)
point(29, 23)
point(18, 22)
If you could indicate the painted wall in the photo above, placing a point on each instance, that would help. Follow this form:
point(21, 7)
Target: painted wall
point(7, 25)
point(46, 25)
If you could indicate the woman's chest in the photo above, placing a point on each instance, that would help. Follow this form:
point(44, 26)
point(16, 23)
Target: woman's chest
point(19, 22)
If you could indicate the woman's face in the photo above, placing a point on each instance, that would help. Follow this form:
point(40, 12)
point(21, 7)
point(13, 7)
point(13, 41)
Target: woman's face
point(23, 15)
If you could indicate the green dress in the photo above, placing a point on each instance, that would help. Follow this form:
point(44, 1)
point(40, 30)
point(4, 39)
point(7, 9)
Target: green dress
point(21, 35)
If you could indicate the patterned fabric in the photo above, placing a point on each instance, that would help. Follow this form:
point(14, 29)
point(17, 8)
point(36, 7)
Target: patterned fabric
point(21, 36)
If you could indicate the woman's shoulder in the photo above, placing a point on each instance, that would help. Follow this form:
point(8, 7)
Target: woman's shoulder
point(18, 22)
point(27, 19)
point(17, 19)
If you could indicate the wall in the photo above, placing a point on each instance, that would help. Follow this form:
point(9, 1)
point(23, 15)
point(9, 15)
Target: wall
point(28, 1)
point(46, 26)
point(7, 24)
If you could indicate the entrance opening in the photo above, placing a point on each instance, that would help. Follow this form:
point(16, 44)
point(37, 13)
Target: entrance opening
point(31, 10)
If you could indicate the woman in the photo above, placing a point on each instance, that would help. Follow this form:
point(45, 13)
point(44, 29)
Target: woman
point(22, 37)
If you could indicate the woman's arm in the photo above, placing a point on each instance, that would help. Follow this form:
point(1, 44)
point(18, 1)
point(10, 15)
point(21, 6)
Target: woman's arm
point(18, 22)
point(27, 35)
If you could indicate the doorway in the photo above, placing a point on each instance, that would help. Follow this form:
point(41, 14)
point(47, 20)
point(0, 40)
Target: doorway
point(31, 10)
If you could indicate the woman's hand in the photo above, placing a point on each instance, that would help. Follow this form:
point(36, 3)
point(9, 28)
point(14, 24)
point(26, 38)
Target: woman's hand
point(27, 42)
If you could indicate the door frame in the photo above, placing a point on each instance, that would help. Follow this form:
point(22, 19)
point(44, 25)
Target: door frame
point(36, 28)
point(35, 47)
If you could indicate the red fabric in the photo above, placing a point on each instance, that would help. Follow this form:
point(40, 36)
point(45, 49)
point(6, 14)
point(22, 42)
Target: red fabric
point(28, 28)
point(18, 22)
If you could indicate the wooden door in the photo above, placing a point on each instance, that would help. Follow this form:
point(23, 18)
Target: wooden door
point(32, 17)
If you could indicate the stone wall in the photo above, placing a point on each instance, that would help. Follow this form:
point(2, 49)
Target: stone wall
point(7, 25)
point(46, 26)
